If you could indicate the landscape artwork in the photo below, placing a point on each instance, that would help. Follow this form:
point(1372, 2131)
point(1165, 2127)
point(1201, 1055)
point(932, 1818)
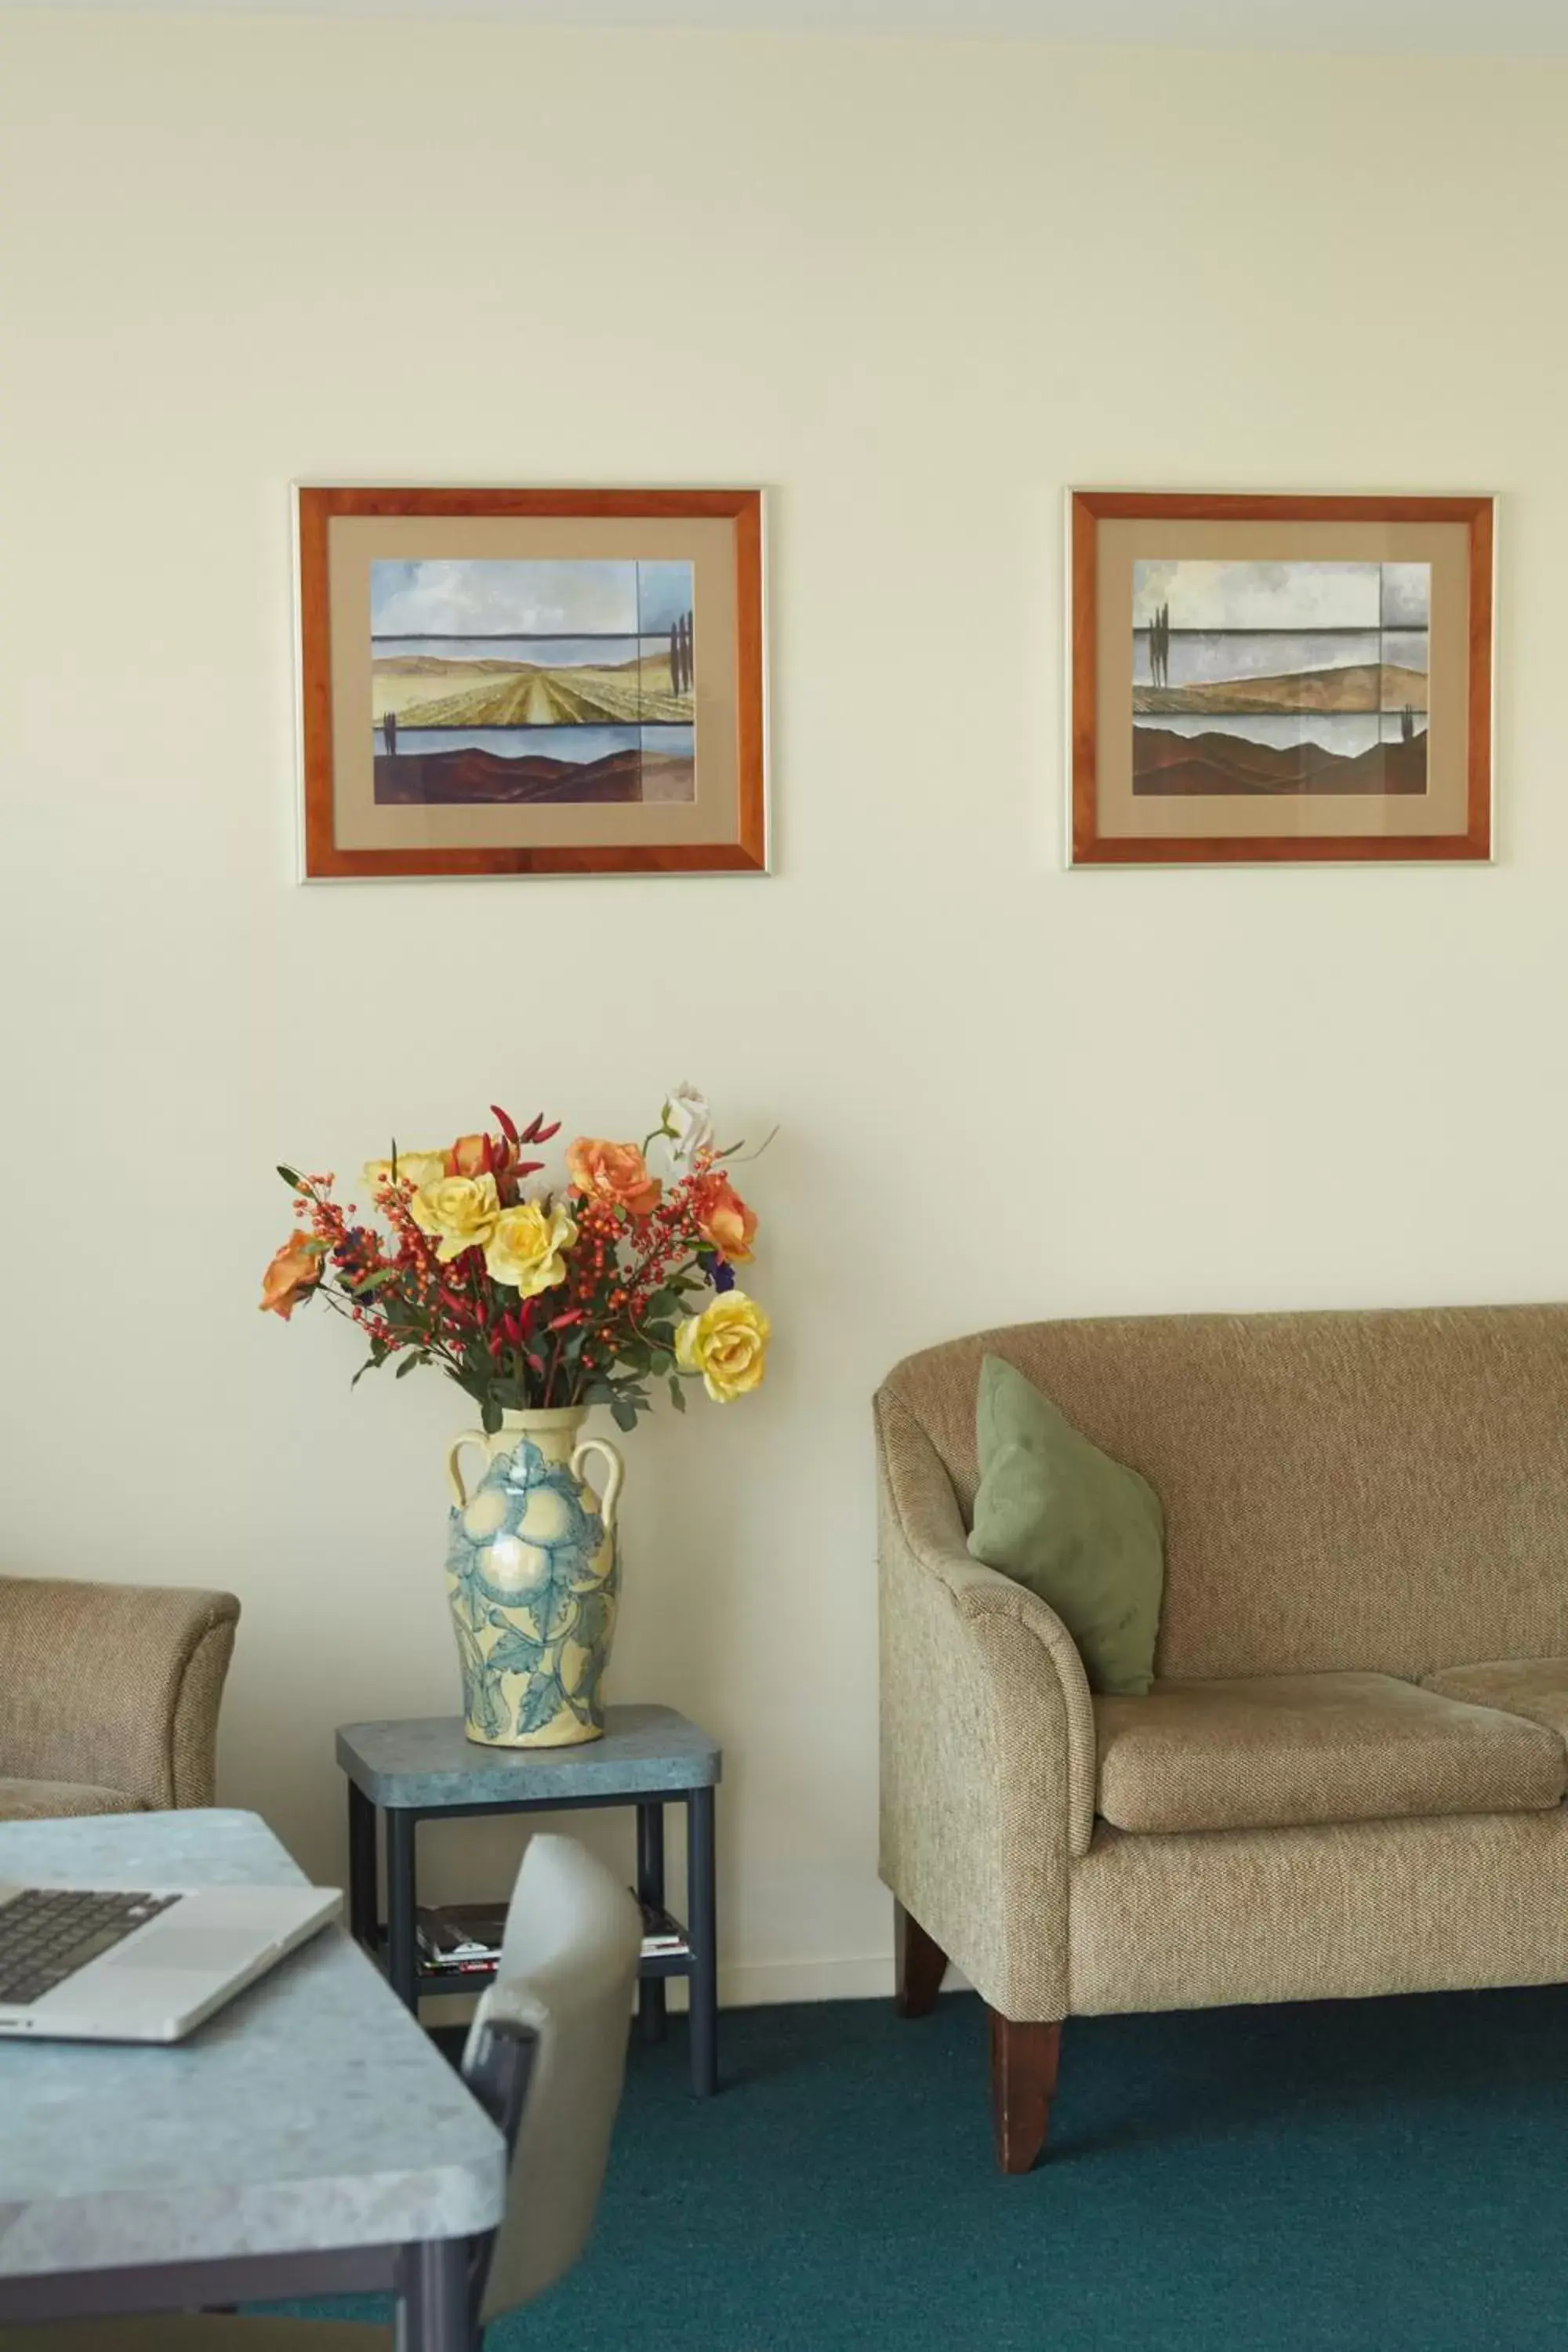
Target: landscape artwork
point(502, 682)
point(1261, 676)
point(520, 682)
point(1285, 678)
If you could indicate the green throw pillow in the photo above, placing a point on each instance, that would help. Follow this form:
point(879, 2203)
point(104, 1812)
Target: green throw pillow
point(1084, 1532)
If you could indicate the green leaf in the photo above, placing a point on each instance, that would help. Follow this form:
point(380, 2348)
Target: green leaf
point(369, 1282)
point(539, 1701)
point(489, 1416)
point(515, 1652)
point(593, 1620)
point(291, 1177)
point(373, 1363)
point(661, 1364)
point(626, 1414)
point(485, 1701)
point(408, 1363)
point(678, 1396)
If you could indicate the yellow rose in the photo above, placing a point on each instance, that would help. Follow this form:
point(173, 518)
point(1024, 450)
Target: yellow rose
point(416, 1168)
point(728, 1344)
point(525, 1247)
point(460, 1213)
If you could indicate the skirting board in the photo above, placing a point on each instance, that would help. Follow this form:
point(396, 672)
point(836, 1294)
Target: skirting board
point(748, 1984)
point(755, 1984)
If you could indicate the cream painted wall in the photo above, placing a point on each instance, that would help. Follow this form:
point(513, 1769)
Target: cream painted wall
point(914, 288)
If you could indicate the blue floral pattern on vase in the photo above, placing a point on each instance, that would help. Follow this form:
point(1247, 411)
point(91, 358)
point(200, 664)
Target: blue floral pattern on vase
point(533, 1578)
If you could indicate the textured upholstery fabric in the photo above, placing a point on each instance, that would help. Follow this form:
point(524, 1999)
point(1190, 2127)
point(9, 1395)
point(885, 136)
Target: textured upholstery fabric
point(987, 1743)
point(116, 1686)
point(1275, 1750)
point(1536, 1688)
point(1320, 1914)
point(53, 1801)
point(1384, 1491)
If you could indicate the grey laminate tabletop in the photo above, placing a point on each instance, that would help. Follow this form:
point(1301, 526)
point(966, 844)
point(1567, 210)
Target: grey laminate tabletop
point(310, 2113)
point(427, 1761)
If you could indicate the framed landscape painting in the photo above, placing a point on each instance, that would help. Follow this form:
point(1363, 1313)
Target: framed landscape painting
point(531, 681)
point(1270, 678)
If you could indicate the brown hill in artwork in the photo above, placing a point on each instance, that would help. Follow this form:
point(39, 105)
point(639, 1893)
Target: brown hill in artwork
point(459, 779)
point(1169, 765)
point(1356, 686)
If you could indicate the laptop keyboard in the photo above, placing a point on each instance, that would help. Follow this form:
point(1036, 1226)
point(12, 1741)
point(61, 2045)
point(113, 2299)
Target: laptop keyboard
point(47, 1933)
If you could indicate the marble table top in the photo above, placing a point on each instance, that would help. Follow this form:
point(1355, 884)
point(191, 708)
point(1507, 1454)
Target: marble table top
point(311, 2113)
point(427, 1761)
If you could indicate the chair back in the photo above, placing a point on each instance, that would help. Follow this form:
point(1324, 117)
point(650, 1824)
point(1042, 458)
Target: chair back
point(546, 2053)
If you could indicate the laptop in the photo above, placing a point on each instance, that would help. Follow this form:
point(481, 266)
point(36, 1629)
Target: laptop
point(88, 1964)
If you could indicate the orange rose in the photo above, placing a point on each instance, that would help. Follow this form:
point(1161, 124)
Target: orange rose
point(723, 1218)
point(294, 1272)
point(471, 1155)
point(616, 1172)
point(490, 1155)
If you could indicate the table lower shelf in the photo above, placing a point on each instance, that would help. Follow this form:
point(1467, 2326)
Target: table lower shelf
point(457, 1982)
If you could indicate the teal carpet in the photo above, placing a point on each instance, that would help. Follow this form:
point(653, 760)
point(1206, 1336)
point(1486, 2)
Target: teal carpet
point(1368, 2176)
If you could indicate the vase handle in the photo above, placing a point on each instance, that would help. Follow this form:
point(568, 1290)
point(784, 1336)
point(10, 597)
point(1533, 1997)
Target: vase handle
point(616, 1471)
point(467, 1437)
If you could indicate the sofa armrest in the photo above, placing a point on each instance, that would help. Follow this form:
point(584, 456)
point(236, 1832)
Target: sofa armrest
point(988, 1751)
point(114, 1685)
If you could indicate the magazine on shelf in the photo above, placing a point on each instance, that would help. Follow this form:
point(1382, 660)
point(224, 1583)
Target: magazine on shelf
point(663, 1937)
point(465, 1939)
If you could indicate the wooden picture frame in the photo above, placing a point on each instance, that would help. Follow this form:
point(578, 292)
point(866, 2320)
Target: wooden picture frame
point(1279, 678)
point(530, 681)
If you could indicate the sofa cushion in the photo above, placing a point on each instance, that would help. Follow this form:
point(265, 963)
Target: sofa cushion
point(1055, 1513)
point(1536, 1688)
point(50, 1800)
point(1271, 1751)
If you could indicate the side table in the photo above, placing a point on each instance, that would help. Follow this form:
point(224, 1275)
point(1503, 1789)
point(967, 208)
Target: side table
point(649, 1756)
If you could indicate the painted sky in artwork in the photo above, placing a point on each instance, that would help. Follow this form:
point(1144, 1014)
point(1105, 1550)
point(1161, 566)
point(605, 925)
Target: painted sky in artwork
point(1297, 596)
point(464, 597)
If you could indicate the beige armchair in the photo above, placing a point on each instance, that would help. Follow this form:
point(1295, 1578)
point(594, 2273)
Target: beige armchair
point(109, 1696)
point(1349, 1778)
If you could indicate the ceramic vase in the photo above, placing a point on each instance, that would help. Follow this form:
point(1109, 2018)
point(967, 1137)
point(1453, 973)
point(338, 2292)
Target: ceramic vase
point(532, 1576)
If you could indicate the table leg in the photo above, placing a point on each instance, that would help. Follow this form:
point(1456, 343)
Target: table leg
point(650, 1889)
point(702, 1928)
point(401, 1898)
point(362, 1867)
point(433, 2310)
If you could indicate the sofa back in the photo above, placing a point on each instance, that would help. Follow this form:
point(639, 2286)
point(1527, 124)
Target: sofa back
point(1380, 1490)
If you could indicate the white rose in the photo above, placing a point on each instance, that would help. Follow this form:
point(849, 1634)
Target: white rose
point(687, 1123)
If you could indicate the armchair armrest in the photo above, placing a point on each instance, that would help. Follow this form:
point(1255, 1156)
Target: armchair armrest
point(115, 1684)
point(988, 1744)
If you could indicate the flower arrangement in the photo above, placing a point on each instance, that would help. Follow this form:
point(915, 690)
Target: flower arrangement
point(575, 1295)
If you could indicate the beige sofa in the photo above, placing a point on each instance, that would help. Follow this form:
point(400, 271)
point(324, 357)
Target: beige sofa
point(109, 1696)
point(1349, 1775)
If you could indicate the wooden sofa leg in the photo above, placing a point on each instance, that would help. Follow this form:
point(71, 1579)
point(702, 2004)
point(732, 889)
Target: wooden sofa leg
point(918, 1966)
point(1023, 2061)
